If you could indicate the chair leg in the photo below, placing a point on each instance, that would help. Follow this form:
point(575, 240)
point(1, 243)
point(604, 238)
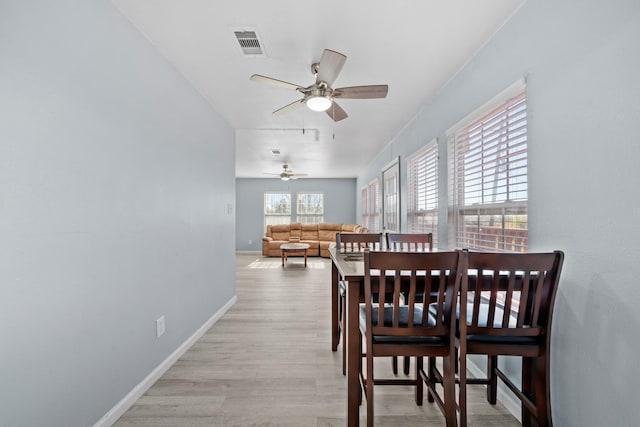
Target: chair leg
point(407, 361)
point(461, 367)
point(343, 331)
point(541, 390)
point(394, 364)
point(360, 366)
point(492, 387)
point(431, 366)
point(369, 385)
point(448, 391)
point(527, 390)
point(419, 382)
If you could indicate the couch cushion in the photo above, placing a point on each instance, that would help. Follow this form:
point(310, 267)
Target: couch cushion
point(327, 231)
point(309, 232)
point(295, 230)
point(280, 232)
point(313, 244)
point(275, 244)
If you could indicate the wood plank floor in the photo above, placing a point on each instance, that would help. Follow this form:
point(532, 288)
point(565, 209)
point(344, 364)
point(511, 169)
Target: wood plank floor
point(268, 362)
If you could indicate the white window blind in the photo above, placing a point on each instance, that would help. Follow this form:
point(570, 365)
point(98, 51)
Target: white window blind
point(391, 198)
point(310, 208)
point(371, 206)
point(422, 207)
point(277, 208)
point(364, 202)
point(488, 182)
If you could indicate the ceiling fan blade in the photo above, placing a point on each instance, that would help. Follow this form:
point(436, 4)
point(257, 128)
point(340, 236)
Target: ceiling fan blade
point(297, 175)
point(336, 112)
point(329, 67)
point(289, 107)
point(361, 92)
point(274, 82)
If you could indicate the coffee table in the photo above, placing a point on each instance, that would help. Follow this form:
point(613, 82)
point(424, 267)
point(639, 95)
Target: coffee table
point(294, 249)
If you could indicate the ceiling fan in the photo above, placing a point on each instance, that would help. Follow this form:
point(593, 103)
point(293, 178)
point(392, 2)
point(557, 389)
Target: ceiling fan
point(320, 96)
point(287, 173)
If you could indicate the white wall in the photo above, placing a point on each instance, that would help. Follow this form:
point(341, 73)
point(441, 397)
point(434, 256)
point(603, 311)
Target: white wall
point(115, 179)
point(581, 59)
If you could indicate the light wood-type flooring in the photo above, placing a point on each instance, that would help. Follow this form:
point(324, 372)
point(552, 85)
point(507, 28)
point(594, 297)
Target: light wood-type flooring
point(268, 362)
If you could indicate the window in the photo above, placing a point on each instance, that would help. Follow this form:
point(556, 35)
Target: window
point(371, 206)
point(310, 208)
point(277, 208)
point(364, 202)
point(391, 197)
point(422, 173)
point(488, 181)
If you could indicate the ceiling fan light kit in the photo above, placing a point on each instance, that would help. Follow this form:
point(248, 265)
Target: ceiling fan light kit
point(319, 103)
point(320, 96)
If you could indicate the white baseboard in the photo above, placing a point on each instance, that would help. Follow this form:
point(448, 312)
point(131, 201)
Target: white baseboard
point(123, 405)
point(505, 397)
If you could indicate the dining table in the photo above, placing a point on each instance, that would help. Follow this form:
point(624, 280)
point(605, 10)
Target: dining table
point(348, 267)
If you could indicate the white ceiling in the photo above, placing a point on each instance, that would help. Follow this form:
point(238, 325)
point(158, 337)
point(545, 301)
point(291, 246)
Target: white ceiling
point(414, 46)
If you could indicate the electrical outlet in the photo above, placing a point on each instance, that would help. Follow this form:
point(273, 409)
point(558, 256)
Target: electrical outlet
point(160, 326)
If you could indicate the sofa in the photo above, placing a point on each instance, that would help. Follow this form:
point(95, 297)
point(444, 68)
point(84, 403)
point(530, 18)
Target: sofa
point(319, 237)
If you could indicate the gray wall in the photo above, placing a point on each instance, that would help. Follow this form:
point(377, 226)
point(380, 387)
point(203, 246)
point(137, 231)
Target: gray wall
point(339, 204)
point(115, 181)
point(582, 59)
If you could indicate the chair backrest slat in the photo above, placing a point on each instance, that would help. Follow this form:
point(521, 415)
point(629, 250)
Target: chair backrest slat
point(390, 274)
point(513, 294)
point(357, 242)
point(506, 313)
point(404, 242)
point(524, 299)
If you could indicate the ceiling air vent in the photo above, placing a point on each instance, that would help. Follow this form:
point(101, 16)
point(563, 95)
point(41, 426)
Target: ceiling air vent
point(250, 43)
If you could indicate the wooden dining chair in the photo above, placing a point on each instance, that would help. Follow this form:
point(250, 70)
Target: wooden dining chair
point(350, 243)
point(507, 300)
point(415, 328)
point(409, 242)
